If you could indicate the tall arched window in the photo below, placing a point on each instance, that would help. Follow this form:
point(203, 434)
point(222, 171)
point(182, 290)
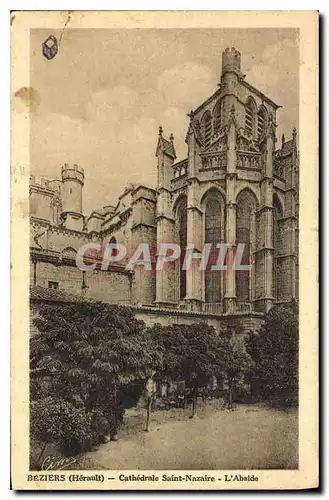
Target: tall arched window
point(261, 121)
point(250, 116)
point(277, 214)
point(213, 215)
point(114, 251)
point(206, 125)
point(182, 228)
point(245, 209)
point(217, 116)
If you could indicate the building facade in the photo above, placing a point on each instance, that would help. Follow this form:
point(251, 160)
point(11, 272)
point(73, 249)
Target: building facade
point(235, 186)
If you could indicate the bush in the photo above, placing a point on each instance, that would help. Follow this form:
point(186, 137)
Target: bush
point(274, 351)
point(56, 420)
point(89, 355)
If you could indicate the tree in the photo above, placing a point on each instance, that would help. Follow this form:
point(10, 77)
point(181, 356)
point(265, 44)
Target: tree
point(189, 353)
point(86, 352)
point(53, 419)
point(235, 362)
point(274, 351)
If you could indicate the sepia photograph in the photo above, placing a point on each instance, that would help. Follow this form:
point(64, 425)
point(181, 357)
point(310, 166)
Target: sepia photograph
point(163, 288)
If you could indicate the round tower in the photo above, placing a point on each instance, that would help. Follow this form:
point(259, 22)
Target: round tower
point(231, 61)
point(72, 184)
point(229, 82)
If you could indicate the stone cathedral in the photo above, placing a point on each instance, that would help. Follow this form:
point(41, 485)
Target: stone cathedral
point(237, 185)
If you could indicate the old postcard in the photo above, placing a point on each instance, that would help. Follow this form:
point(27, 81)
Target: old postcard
point(164, 250)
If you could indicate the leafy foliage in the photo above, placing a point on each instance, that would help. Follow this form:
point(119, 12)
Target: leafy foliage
point(189, 353)
point(54, 419)
point(234, 361)
point(274, 351)
point(197, 353)
point(85, 353)
point(91, 342)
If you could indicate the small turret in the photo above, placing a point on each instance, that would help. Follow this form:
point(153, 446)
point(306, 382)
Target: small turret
point(231, 61)
point(166, 155)
point(73, 181)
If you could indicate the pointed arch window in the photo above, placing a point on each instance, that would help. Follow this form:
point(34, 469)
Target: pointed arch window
point(213, 226)
point(206, 125)
point(218, 116)
point(277, 215)
point(182, 228)
point(250, 116)
point(114, 250)
point(245, 210)
point(261, 121)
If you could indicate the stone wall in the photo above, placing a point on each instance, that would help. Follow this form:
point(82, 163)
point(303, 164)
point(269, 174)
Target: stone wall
point(114, 285)
point(241, 323)
point(109, 286)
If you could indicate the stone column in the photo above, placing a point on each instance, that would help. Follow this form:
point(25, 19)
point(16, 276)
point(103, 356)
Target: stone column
point(265, 228)
point(290, 225)
point(230, 226)
point(166, 289)
point(194, 276)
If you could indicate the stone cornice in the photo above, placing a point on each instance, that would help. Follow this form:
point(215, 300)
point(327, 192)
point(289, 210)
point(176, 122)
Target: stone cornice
point(264, 249)
point(166, 217)
point(250, 169)
point(143, 224)
point(159, 190)
point(287, 256)
point(52, 257)
point(190, 208)
point(71, 232)
point(58, 259)
point(266, 297)
point(181, 312)
point(193, 178)
point(43, 190)
point(38, 221)
point(141, 186)
point(220, 170)
point(141, 197)
point(261, 209)
point(71, 212)
point(287, 217)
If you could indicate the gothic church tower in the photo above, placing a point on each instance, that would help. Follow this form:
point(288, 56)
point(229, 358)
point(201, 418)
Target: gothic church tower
point(235, 186)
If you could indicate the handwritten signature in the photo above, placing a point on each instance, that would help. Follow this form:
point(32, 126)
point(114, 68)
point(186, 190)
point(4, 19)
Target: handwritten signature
point(53, 463)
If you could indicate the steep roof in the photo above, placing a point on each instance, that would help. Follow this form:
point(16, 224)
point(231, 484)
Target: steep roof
point(165, 145)
point(260, 94)
point(195, 127)
point(286, 149)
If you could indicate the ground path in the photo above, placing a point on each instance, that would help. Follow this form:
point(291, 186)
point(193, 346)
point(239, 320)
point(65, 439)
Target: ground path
point(249, 437)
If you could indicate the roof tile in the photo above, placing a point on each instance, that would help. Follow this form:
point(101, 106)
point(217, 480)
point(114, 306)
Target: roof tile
point(38, 292)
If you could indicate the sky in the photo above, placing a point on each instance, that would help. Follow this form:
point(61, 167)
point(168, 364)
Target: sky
point(99, 102)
